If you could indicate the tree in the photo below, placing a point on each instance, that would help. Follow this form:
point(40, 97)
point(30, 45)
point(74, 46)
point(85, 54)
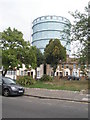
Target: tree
point(80, 32)
point(54, 52)
point(40, 57)
point(16, 51)
point(29, 55)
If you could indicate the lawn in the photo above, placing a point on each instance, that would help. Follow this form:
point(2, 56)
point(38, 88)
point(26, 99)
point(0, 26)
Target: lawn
point(73, 85)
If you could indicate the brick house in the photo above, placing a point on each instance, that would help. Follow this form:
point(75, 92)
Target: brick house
point(70, 67)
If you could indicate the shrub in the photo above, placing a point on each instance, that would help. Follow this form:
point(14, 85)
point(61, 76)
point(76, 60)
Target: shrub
point(25, 80)
point(46, 78)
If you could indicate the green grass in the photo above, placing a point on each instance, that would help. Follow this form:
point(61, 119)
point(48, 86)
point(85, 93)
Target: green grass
point(62, 85)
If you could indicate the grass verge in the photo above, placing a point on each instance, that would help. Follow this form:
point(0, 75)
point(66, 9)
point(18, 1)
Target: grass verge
point(62, 85)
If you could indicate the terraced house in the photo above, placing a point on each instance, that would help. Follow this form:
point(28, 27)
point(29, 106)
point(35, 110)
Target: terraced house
point(64, 69)
point(70, 67)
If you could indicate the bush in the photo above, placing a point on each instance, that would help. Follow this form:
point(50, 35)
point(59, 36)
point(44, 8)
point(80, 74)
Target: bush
point(25, 80)
point(46, 78)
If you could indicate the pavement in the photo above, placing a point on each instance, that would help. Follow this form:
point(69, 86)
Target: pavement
point(75, 96)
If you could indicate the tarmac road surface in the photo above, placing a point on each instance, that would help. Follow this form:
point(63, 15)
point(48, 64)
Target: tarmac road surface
point(30, 107)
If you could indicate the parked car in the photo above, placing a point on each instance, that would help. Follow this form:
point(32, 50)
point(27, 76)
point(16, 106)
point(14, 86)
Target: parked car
point(69, 77)
point(73, 77)
point(77, 78)
point(87, 77)
point(9, 87)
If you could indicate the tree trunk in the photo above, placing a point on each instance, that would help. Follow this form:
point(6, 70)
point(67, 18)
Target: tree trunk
point(4, 72)
point(35, 73)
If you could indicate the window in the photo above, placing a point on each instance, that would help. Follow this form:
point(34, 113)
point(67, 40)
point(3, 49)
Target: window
point(8, 80)
point(66, 66)
point(8, 72)
point(76, 73)
point(21, 73)
point(79, 66)
point(25, 72)
point(45, 17)
point(38, 73)
point(11, 72)
point(51, 17)
point(61, 74)
point(66, 73)
point(57, 73)
point(31, 73)
point(62, 65)
point(74, 66)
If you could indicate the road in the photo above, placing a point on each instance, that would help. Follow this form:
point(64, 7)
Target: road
point(30, 107)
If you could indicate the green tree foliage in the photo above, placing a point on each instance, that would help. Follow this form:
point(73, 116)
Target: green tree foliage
point(0, 53)
point(16, 51)
point(54, 52)
point(80, 31)
point(40, 57)
point(30, 57)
